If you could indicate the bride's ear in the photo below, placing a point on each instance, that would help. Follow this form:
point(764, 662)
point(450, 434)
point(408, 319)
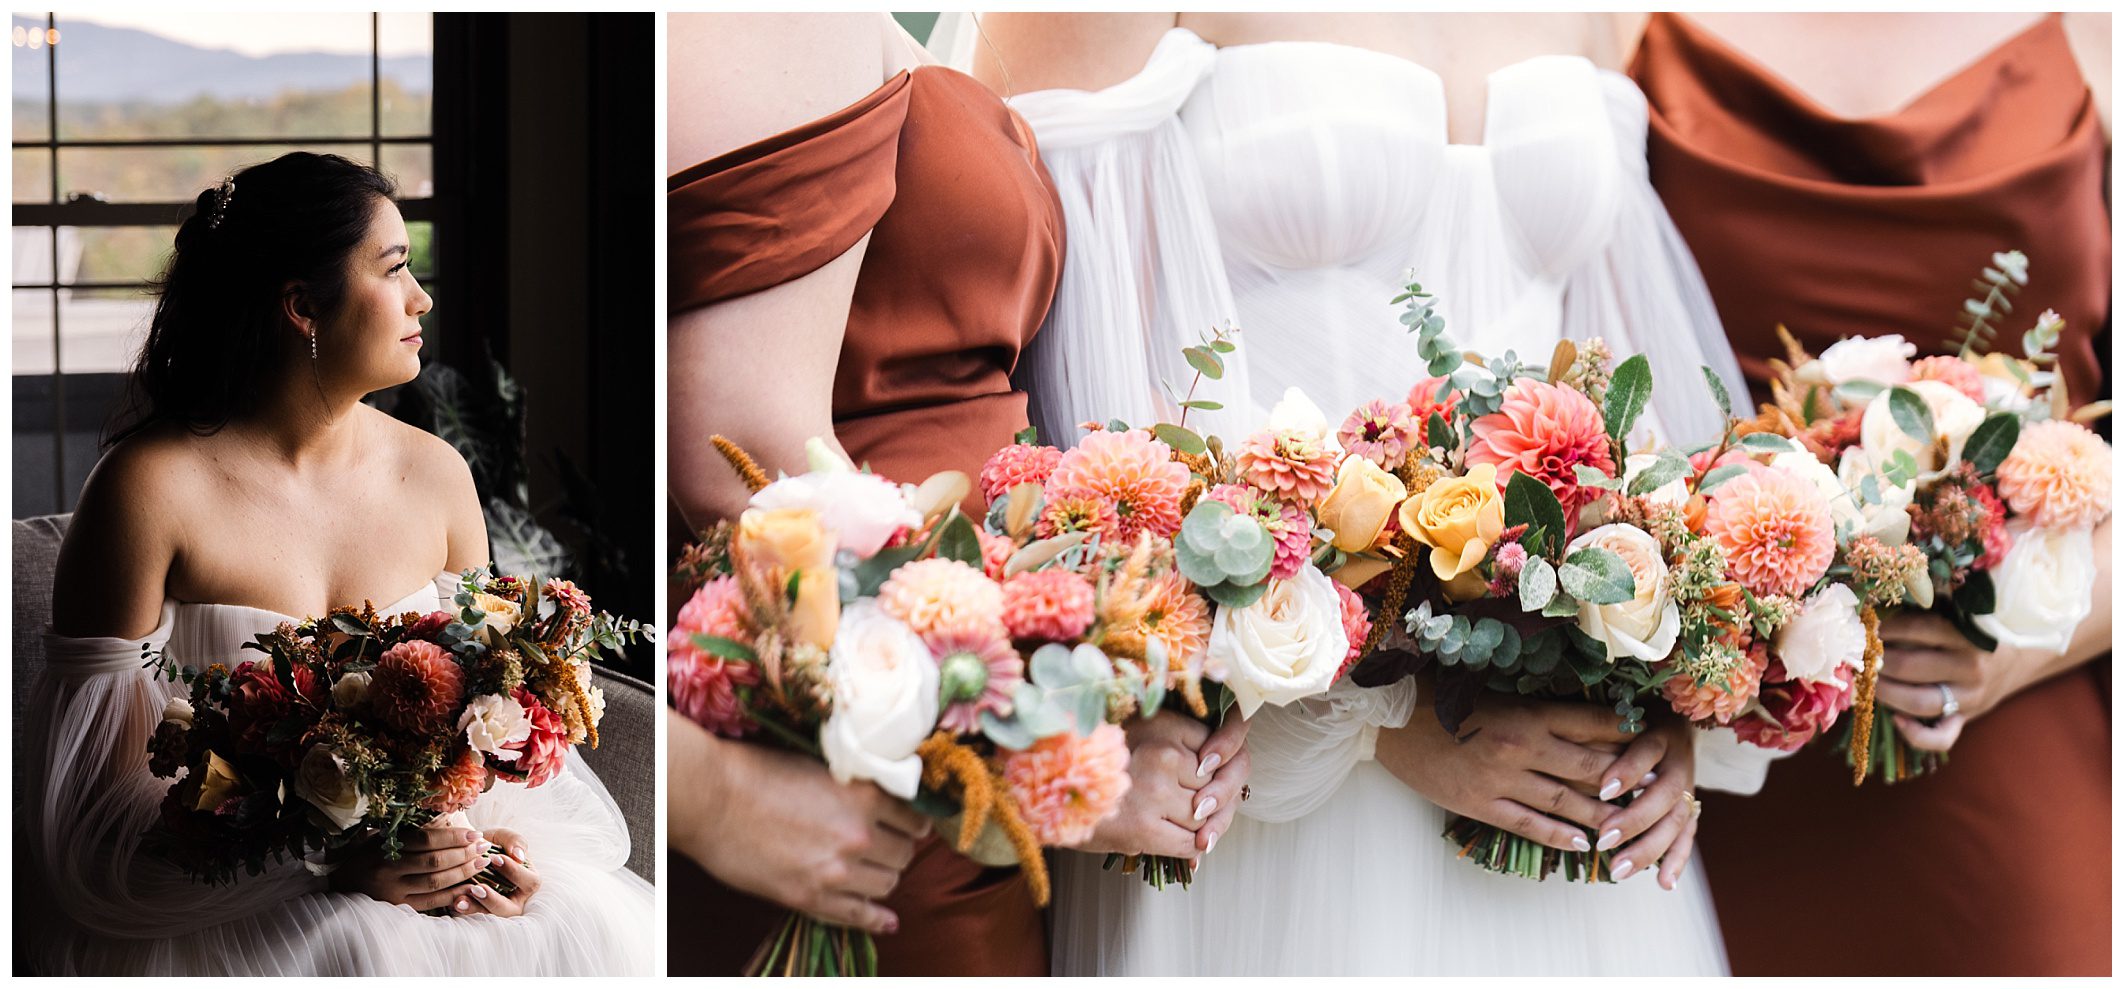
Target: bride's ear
point(295, 307)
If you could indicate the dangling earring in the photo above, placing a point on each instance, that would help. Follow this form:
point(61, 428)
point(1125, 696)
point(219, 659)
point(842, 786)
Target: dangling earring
point(313, 346)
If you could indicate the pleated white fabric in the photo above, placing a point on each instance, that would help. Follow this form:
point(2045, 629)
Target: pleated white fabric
point(90, 798)
point(1297, 187)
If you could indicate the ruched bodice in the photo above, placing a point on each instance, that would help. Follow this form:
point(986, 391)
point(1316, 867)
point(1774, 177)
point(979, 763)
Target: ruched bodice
point(200, 634)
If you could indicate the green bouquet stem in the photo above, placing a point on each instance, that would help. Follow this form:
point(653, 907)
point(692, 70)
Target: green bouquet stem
point(1157, 871)
point(806, 947)
point(1497, 850)
point(1891, 759)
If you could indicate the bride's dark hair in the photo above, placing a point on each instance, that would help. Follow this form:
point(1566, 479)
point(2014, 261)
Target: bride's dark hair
point(282, 228)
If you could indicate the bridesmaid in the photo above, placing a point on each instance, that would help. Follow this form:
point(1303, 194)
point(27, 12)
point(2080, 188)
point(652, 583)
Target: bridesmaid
point(869, 276)
point(1826, 197)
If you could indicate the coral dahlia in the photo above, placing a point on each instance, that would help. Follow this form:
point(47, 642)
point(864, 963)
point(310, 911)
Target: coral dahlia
point(1776, 530)
point(1066, 784)
point(1129, 471)
point(1544, 431)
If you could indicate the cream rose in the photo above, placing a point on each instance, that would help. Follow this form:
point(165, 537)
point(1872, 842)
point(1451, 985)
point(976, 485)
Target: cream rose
point(1884, 359)
point(862, 511)
point(1297, 414)
point(794, 540)
point(351, 689)
point(1826, 633)
point(1674, 492)
point(493, 722)
point(2045, 587)
point(1887, 521)
point(502, 617)
point(884, 700)
point(1645, 626)
point(1363, 499)
point(323, 781)
point(1954, 417)
point(1285, 646)
point(179, 710)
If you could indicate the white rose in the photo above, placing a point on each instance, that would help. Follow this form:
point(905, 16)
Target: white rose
point(1954, 417)
point(1825, 634)
point(322, 780)
point(1285, 646)
point(1882, 359)
point(1674, 492)
point(2045, 587)
point(1888, 520)
point(492, 723)
point(351, 689)
point(884, 700)
point(502, 617)
point(1297, 414)
point(1645, 626)
point(862, 511)
point(2007, 395)
point(179, 710)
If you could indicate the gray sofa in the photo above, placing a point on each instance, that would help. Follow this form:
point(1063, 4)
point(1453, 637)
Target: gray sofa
point(625, 759)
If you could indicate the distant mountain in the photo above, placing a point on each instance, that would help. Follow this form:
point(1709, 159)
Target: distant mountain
point(101, 64)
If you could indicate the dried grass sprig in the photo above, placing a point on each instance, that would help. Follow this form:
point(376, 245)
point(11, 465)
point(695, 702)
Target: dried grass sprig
point(1862, 703)
point(747, 469)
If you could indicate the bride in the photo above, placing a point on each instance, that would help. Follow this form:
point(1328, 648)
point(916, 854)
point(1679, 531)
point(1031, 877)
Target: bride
point(257, 488)
point(1226, 172)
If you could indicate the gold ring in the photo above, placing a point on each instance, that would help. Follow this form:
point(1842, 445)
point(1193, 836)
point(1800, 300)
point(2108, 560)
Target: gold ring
point(1696, 807)
point(1246, 792)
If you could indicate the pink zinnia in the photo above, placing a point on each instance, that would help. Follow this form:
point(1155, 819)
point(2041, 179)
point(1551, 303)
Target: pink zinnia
point(1066, 784)
point(1792, 712)
point(1292, 528)
point(1130, 471)
point(2057, 475)
point(568, 596)
point(1291, 466)
point(965, 660)
point(704, 685)
point(460, 785)
point(1544, 431)
point(996, 552)
point(1047, 605)
point(417, 686)
point(539, 757)
point(1018, 463)
point(1955, 372)
point(1423, 402)
point(1356, 626)
point(1382, 433)
point(1997, 538)
point(1776, 531)
point(1076, 513)
point(1714, 701)
point(943, 597)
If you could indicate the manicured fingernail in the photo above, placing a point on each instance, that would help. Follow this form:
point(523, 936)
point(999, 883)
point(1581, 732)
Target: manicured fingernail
point(473, 838)
point(1209, 765)
point(1621, 870)
point(1610, 789)
point(1666, 883)
point(1647, 781)
point(518, 854)
point(463, 905)
point(485, 861)
point(1212, 846)
point(892, 925)
point(479, 891)
point(1610, 839)
point(1578, 841)
point(1204, 809)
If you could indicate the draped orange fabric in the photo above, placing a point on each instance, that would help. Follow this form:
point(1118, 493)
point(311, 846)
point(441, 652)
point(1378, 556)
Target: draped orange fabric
point(1998, 864)
point(965, 252)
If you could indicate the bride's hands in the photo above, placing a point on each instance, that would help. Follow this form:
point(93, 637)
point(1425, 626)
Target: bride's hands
point(777, 826)
point(1660, 823)
point(514, 865)
point(1526, 766)
point(1184, 786)
point(423, 876)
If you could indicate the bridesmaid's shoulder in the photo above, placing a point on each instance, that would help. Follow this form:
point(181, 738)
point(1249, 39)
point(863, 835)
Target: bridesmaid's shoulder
point(1027, 52)
point(735, 79)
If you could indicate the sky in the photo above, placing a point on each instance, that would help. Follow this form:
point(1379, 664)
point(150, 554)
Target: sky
point(268, 34)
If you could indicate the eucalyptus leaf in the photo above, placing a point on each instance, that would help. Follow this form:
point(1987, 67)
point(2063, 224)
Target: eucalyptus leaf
point(1529, 502)
point(1537, 584)
point(1719, 475)
point(1668, 468)
point(1628, 391)
point(1597, 576)
point(1911, 414)
point(1766, 443)
point(1179, 438)
point(1205, 361)
point(1718, 390)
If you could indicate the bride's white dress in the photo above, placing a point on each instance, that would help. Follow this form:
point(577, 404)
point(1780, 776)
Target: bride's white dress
point(102, 906)
point(1287, 188)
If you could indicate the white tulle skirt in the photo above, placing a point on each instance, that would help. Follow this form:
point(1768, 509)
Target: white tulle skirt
point(1364, 885)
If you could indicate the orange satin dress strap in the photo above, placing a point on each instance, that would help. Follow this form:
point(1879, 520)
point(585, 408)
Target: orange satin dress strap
point(1999, 864)
point(1841, 227)
point(965, 253)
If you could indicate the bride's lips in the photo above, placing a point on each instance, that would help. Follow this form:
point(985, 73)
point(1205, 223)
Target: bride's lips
point(412, 338)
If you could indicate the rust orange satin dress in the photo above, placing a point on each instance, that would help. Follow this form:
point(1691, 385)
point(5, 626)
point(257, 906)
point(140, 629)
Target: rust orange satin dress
point(965, 252)
point(1999, 864)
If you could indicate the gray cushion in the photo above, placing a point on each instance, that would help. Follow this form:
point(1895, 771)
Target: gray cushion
point(625, 760)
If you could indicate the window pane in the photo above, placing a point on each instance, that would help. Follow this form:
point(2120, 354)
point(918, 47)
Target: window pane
point(168, 175)
point(33, 176)
point(102, 329)
point(120, 254)
point(32, 78)
point(177, 74)
point(406, 47)
point(33, 331)
point(32, 254)
point(422, 250)
point(412, 166)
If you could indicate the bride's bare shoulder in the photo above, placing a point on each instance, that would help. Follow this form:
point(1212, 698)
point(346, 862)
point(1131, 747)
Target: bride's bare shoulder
point(1027, 52)
point(432, 472)
point(737, 78)
point(128, 527)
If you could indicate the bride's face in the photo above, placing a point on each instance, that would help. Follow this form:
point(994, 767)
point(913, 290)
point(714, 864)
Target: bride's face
point(375, 337)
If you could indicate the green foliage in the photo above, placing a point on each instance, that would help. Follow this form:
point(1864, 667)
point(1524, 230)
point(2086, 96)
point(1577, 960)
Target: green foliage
point(1225, 554)
point(1530, 503)
point(1911, 414)
point(1670, 467)
point(1597, 576)
point(2000, 280)
point(1628, 392)
point(1992, 440)
point(1718, 391)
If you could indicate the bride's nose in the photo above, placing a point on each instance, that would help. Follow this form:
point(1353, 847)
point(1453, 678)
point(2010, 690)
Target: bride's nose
point(422, 303)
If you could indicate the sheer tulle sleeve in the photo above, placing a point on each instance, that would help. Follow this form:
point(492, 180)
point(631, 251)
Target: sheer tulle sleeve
point(1302, 751)
point(90, 797)
point(1644, 294)
point(1143, 276)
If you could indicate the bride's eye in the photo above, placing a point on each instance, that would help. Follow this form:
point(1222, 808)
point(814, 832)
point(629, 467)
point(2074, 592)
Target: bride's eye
point(395, 269)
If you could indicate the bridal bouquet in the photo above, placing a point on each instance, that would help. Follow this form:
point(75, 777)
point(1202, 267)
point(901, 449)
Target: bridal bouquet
point(1962, 482)
point(357, 726)
point(1519, 546)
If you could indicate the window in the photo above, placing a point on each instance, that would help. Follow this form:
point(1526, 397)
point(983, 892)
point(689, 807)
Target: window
point(120, 120)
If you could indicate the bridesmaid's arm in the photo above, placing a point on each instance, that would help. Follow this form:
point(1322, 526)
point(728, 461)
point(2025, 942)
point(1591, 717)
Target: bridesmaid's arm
point(115, 562)
point(1028, 52)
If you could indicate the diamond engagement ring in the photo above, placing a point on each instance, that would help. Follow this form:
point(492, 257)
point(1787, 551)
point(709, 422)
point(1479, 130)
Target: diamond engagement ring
point(1949, 707)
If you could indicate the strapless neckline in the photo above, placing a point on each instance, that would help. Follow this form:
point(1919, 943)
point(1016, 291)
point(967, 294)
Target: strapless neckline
point(278, 617)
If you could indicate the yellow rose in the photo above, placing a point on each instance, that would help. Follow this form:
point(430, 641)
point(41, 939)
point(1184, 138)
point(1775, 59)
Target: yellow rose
point(218, 784)
point(1363, 499)
point(791, 540)
point(1458, 518)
